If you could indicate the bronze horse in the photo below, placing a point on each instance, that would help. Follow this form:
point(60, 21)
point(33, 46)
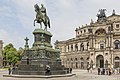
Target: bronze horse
point(41, 16)
point(102, 13)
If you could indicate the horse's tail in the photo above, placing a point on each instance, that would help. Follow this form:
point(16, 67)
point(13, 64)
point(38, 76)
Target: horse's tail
point(49, 23)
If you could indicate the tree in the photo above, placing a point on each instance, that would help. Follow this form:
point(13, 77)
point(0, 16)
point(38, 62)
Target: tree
point(10, 54)
point(20, 53)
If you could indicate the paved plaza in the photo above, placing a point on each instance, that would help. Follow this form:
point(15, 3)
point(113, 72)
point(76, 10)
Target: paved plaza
point(80, 75)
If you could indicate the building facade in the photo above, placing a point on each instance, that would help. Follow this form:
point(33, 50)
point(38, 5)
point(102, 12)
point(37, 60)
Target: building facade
point(95, 45)
point(1, 49)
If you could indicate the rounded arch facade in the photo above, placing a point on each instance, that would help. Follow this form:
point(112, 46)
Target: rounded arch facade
point(100, 31)
point(116, 62)
point(77, 62)
point(100, 61)
point(117, 44)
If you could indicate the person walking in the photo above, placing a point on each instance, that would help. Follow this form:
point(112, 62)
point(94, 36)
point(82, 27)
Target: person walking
point(91, 69)
point(99, 70)
point(47, 70)
point(9, 70)
point(70, 70)
point(88, 68)
point(103, 71)
point(109, 71)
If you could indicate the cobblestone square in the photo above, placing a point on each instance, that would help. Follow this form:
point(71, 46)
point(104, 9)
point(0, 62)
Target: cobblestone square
point(80, 75)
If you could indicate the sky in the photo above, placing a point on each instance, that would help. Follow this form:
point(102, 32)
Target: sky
point(17, 16)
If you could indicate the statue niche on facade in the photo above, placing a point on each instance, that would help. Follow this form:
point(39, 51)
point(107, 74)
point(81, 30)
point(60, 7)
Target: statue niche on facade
point(41, 16)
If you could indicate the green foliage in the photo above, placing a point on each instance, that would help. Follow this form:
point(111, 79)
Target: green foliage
point(20, 53)
point(11, 54)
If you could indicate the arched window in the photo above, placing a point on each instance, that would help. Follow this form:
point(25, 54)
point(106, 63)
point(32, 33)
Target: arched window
point(76, 59)
point(67, 59)
point(117, 58)
point(82, 63)
point(90, 30)
point(117, 25)
point(71, 47)
point(91, 63)
point(71, 63)
point(101, 46)
point(117, 62)
point(76, 63)
point(76, 47)
point(87, 62)
point(110, 28)
point(87, 45)
point(100, 32)
point(87, 59)
point(117, 44)
point(81, 58)
point(68, 47)
point(84, 31)
point(82, 47)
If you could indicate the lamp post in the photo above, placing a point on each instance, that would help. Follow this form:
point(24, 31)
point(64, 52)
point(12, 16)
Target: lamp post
point(26, 48)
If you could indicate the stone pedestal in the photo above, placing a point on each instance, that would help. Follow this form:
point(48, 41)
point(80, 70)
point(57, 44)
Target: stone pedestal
point(36, 59)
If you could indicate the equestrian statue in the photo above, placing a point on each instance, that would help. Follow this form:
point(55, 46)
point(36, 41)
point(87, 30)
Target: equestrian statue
point(102, 15)
point(41, 16)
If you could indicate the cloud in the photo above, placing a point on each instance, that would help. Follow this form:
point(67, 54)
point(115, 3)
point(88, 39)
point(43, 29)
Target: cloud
point(11, 38)
point(4, 34)
point(17, 17)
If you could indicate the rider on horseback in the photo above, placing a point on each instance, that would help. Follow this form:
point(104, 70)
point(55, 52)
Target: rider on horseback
point(43, 12)
point(41, 16)
point(101, 16)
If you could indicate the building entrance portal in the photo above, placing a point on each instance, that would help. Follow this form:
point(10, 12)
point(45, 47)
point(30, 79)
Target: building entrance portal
point(100, 61)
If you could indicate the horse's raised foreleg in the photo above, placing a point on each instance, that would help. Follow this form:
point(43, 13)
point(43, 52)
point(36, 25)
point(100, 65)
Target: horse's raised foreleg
point(45, 28)
point(40, 25)
point(45, 25)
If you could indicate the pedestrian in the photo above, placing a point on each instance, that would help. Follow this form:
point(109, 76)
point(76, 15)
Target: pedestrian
point(109, 71)
point(70, 70)
point(103, 71)
point(99, 70)
point(91, 69)
point(47, 70)
point(88, 68)
point(9, 70)
point(113, 71)
point(118, 70)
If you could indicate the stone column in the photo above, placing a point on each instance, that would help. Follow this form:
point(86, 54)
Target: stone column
point(107, 41)
point(90, 41)
point(93, 43)
point(85, 64)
